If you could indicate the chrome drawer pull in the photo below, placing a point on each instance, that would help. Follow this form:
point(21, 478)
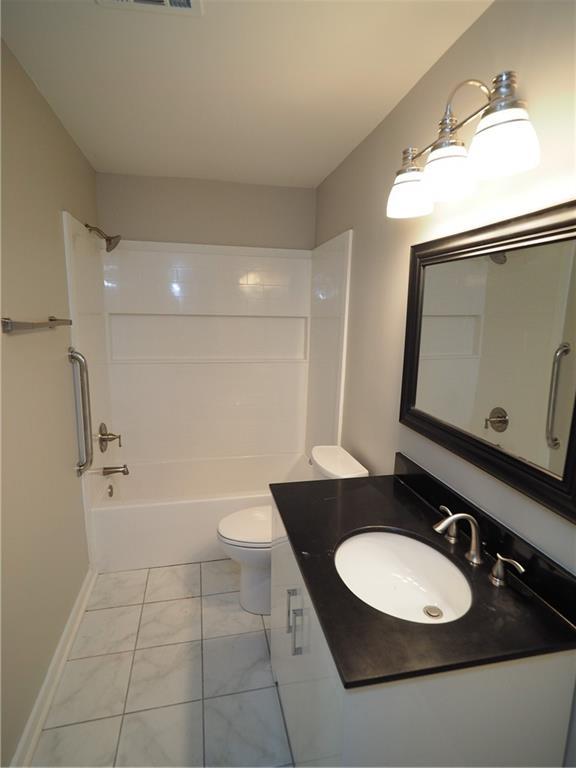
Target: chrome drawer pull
point(297, 613)
point(290, 593)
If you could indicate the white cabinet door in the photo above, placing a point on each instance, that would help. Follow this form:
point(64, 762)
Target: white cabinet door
point(308, 683)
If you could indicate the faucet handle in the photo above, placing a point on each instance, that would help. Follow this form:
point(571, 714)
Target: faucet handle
point(105, 437)
point(451, 534)
point(498, 572)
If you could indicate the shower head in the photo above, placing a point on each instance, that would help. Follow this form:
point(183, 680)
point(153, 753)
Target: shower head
point(111, 240)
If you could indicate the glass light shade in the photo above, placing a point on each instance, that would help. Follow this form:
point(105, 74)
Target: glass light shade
point(505, 143)
point(447, 173)
point(409, 196)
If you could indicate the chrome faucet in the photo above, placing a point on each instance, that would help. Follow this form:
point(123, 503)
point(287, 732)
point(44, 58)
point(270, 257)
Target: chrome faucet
point(451, 534)
point(122, 470)
point(473, 555)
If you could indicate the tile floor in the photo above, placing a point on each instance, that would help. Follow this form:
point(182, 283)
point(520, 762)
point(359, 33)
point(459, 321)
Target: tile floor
point(167, 670)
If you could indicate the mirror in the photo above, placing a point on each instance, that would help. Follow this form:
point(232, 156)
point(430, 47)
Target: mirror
point(490, 359)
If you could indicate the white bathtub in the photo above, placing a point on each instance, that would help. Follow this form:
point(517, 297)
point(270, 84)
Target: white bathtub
point(164, 514)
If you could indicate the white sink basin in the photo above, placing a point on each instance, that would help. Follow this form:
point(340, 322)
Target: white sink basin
point(403, 577)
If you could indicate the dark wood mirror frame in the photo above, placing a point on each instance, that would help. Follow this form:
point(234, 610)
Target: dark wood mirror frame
point(556, 223)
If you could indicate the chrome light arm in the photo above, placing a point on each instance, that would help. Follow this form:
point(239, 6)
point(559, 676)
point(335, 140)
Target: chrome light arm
point(501, 95)
point(448, 125)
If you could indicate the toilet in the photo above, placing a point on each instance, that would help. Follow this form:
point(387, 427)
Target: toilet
point(246, 536)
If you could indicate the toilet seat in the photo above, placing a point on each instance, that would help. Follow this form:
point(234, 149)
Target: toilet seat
point(250, 528)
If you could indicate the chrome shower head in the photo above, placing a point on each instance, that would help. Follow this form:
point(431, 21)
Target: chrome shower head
point(499, 258)
point(111, 240)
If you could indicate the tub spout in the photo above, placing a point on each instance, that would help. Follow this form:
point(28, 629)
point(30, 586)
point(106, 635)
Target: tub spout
point(122, 470)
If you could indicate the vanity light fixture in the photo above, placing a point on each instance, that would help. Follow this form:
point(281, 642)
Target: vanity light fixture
point(505, 143)
point(409, 196)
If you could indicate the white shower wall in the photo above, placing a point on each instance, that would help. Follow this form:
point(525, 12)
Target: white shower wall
point(328, 335)
point(208, 350)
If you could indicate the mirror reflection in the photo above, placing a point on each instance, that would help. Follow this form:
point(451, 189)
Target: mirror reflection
point(497, 354)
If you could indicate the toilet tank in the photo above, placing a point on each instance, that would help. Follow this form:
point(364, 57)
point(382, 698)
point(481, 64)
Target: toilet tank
point(332, 461)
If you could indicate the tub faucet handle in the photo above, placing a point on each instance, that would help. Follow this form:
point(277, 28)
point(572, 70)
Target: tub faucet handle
point(498, 572)
point(105, 437)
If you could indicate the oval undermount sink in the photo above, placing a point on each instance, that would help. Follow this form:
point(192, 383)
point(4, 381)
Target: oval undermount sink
point(403, 577)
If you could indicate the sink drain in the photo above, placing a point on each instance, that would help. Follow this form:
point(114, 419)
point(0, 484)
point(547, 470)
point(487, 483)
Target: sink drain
point(433, 611)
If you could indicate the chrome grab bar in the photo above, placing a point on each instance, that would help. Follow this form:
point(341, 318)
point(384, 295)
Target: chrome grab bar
point(10, 326)
point(551, 439)
point(75, 357)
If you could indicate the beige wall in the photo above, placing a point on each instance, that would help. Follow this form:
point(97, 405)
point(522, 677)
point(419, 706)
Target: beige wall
point(537, 40)
point(44, 557)
point(211, 212)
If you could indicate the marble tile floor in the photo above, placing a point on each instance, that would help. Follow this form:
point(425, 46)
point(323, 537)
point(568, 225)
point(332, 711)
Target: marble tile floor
point(167, 669)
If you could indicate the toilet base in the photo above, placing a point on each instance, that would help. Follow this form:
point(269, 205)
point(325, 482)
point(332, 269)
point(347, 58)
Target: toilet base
point(255, 575)
point(255, 589)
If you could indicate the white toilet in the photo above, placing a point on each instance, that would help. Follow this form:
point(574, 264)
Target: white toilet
point(246, 536)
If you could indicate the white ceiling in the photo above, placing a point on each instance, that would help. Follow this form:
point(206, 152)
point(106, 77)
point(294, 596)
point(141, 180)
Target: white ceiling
point(263, 91)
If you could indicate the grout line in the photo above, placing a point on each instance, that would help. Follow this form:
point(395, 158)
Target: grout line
point(224, 592)
point(108, 607)
point(100, 655)
point(239, 693)
point(160, 706)
point(267, 640)
point(202, 671)
point(196, 562)
point(130, 673)
point(81, 722)
point(171, 599)
point(284, 724)
point(168, 565)
point(163, 706)
point(167, 645)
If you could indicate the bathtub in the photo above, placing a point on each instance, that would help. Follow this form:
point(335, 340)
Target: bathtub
point(168, 513)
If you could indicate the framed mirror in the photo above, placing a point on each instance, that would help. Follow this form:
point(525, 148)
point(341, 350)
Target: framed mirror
point(490, 355)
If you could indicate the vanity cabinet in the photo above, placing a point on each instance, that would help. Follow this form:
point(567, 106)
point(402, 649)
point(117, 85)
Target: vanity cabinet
point(309, 686)
point(510, 713)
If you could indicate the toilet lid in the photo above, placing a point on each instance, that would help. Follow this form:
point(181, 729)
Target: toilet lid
point(248, 527)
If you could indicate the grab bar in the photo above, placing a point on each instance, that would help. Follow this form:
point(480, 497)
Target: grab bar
point(9, 325)
point(75, 357)
point(551, 439)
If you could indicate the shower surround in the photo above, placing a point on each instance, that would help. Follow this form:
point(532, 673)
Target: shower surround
point(224, 366)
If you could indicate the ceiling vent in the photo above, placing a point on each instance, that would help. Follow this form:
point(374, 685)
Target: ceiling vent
point(188, 7)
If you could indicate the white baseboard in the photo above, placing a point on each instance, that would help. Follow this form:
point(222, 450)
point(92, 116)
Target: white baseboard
point(31, 733)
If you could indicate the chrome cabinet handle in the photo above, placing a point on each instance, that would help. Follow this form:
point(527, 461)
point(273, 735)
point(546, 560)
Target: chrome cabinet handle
point(290, 593)
point(297, 613)
point(551, 439)
point(84, 462)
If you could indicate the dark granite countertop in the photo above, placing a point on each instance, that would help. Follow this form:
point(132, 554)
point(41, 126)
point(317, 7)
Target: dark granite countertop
point(369, 646)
